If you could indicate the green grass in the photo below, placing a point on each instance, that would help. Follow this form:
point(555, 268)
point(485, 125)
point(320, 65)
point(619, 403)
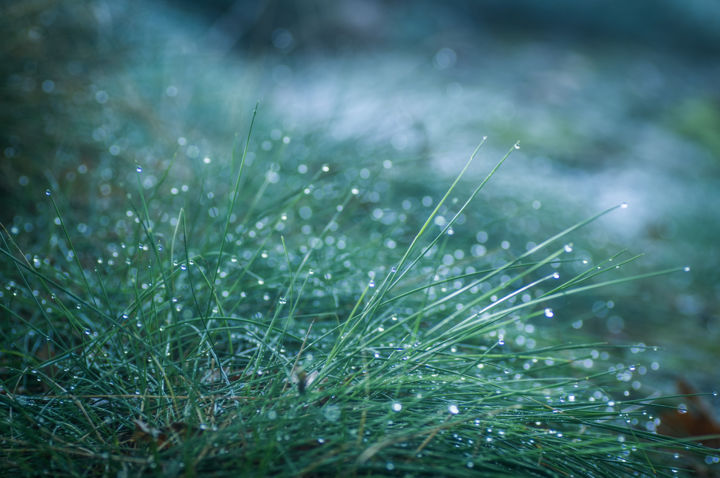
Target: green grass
point(286, 319)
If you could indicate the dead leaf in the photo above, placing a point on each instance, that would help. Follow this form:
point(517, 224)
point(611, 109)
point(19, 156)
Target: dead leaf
point(695, 421)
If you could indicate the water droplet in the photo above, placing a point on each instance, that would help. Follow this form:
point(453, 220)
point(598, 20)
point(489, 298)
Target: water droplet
point(272, 414)
point(325, 168)
point(48, 193)
point(207, 160)
point(682, 409)
point(568, 248)
point(282, 300)
point(139, 169)
point(549, 313)
point(624, 205)
point(371, 283)
point(332, 413)
point(556, 276)
point(397, 406)
point(686, 268)
point(453, 409)
point(517, 145)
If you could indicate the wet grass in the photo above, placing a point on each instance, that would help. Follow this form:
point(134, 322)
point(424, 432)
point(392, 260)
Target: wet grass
point(314, 300)
point(288, 319)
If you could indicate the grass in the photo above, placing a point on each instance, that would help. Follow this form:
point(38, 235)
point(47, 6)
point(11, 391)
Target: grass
point(287, 321)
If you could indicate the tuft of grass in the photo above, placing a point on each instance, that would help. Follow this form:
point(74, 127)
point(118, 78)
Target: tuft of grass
point(284, 323)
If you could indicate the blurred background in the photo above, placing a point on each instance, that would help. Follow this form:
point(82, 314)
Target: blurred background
point(610, 102)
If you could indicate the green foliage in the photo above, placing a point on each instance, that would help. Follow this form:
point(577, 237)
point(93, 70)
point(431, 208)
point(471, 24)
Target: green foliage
point(288, 322)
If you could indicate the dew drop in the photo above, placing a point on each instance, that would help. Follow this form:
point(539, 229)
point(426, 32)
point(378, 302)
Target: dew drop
point(453, 409)
point(568, 248)
point(139, 169)
point(397, 406)
point(686, 268)
point(371, 283)
point(624, 205)
point(48, 193)
point(517, 145)
point(332, 413)
point(549, 313)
